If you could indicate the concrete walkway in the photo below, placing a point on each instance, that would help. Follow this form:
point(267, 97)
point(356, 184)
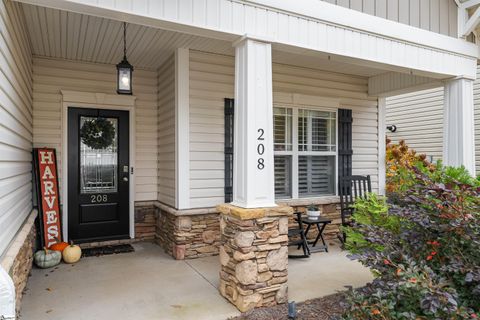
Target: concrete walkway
point(148, 284)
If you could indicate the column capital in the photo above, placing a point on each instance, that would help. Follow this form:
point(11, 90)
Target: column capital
point(240, 41)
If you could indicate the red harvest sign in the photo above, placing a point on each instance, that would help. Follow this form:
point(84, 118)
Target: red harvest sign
point(46, 167)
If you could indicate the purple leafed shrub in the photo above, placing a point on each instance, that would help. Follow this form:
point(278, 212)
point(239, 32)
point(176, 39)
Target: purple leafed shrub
point(423, 245)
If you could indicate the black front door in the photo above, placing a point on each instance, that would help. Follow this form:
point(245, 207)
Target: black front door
point(98, 174)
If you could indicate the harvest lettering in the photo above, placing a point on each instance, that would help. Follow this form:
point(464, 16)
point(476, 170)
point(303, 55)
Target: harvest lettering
point(49, 196)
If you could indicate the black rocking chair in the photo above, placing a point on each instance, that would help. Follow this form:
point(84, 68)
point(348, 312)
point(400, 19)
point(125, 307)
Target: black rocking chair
point(296, 237)
point(350, 188)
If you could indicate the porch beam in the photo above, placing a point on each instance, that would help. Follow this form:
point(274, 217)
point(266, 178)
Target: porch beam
point(253, 166)
point(458, 125)
point(471, 23)
point(469, 4)
point(394, 83)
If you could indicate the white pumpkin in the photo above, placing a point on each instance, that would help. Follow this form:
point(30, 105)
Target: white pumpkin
point(72, 253)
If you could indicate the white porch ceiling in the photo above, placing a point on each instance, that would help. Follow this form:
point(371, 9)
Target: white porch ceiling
point(66, 35)
point(73, 36)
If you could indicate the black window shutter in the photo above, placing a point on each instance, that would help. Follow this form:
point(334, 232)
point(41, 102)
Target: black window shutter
point(345, 142)
point(229, 149)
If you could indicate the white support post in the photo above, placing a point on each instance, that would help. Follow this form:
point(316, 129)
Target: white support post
point(381, 146)
point(253, 166)
point(458, 124)
point(182, 128)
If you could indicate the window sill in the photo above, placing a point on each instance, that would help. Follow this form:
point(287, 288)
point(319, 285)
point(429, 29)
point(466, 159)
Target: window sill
point(308, 201)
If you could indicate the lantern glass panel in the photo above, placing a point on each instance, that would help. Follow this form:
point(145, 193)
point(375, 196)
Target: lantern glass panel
point(124, 79)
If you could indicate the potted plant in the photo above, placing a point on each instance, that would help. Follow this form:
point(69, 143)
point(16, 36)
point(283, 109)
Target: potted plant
point(313, 212)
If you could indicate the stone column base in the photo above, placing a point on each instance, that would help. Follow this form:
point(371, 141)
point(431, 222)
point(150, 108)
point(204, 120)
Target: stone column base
point(254, 255)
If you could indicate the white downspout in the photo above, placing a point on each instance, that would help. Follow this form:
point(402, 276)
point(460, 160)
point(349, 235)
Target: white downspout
point(7, 296)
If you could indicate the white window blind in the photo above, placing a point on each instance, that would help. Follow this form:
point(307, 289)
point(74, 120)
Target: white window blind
point(282, 122)
point(312, 148)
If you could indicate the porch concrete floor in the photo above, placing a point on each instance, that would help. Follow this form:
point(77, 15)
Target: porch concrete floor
point(148, 284)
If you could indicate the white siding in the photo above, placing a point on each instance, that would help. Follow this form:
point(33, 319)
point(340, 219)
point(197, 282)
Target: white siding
point(439, 16)
point(15, 124)
point(50, 76)
point(419, 120)
point(166, 132)
point(212, 80)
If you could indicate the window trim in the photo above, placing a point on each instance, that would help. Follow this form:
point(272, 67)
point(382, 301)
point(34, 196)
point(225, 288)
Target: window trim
point(294, 153)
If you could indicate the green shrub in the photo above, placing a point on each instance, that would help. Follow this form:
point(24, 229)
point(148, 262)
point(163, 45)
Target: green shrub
point(422, 245)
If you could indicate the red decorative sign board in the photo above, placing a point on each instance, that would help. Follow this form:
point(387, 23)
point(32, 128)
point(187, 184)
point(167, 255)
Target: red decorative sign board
point(45, 163)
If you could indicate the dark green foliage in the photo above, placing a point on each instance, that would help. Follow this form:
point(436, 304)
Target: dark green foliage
point(424, 250)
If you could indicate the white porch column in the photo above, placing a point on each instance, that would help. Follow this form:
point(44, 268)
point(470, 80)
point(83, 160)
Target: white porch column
point(253, 167)
point(182, 128)
point(458, 124)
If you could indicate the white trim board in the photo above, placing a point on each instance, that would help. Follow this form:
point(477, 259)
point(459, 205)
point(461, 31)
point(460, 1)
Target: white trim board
point(182, 128)
point(382, 105)
point(97, 101)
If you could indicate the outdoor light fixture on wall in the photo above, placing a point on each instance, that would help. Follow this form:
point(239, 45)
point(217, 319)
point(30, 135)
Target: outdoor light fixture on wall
point(124, 69)
point(392, 128)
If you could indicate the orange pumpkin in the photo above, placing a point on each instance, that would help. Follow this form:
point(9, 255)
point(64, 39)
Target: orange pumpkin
point(59, 246)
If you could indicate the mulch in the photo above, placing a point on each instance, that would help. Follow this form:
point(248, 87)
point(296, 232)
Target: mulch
point(325, 308)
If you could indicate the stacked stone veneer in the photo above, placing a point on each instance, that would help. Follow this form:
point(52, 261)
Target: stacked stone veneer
point(188, 235)
point(254, 256)
point(330, 211)
point(145, 221)
point(18, 259)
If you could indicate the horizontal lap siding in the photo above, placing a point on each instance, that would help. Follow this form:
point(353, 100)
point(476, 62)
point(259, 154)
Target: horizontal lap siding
point(166, 132)
point(212, 79)
point(419, 120)
point(16, 123)
point(50, 76)
point(439, 16)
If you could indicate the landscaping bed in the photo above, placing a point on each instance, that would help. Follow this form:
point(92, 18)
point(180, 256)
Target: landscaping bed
point(319, 309)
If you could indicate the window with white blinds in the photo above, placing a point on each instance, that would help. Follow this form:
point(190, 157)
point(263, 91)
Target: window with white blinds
point(305, 144)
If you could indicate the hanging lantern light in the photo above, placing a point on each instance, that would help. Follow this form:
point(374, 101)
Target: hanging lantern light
point(124, 69)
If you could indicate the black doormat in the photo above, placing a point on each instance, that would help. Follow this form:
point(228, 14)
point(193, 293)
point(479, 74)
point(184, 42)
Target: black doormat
point(104, 250)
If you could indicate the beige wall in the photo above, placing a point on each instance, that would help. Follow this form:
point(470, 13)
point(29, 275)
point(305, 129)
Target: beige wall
point(15, 124)
point(419, 120)
point(434, 15)
point(212, 80)
point(51, 75)
point(166, 132)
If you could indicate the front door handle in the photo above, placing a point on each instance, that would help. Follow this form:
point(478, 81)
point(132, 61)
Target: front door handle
point(125, 179)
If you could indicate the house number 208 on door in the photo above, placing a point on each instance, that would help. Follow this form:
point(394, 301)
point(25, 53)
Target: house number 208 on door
point(98, 198)
point(260, 149)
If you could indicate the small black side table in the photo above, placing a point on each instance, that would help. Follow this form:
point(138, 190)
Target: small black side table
point(321, 224)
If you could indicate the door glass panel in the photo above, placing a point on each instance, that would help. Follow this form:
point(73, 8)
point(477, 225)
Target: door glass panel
point(98, 155)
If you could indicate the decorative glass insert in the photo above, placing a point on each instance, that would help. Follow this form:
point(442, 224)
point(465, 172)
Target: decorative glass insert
point(316, 175)
point(98, 155)
point(316, 130)
point(283, 174)
point(282, 128)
